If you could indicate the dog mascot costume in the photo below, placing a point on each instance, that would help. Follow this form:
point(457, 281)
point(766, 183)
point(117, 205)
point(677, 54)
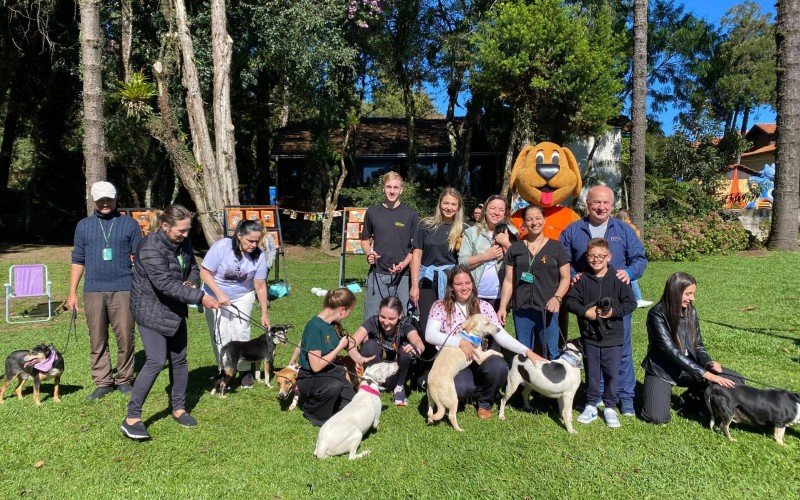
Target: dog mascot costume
point(546, 174)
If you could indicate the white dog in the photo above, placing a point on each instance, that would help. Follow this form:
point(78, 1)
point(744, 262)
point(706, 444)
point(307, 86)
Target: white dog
point(344, 431)
point(557, 379)
point(451, 360)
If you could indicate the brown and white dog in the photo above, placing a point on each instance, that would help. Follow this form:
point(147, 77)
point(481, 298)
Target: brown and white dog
point(38, 364)
point(287, 383)
point(451, 360)
point(558, 379)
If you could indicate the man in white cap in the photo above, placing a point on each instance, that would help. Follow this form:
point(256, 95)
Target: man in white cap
point(104, 244)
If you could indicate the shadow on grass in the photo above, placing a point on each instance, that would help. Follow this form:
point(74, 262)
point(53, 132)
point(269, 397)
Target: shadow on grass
point(45, 391)
point(770, 332)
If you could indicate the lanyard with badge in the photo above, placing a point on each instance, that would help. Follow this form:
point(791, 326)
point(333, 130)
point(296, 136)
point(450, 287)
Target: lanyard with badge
point(108, 252)
point(527, 277)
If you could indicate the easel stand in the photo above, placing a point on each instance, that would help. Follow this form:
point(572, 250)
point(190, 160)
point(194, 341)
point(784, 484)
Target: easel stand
point(352, 222)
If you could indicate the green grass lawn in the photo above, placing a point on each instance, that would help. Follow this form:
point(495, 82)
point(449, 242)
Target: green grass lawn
point(245, 446)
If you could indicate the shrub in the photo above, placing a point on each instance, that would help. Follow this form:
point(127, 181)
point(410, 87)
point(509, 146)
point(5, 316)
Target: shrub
point(692, 237)
point(669, 200)
point(420, 198)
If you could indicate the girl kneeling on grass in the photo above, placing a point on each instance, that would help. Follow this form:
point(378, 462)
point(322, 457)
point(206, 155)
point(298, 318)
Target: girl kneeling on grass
point(388, 336)
point(676, 355)
point(321, 383)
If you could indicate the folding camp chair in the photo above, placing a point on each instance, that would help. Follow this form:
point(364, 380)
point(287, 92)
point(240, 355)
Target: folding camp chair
point(25, 282)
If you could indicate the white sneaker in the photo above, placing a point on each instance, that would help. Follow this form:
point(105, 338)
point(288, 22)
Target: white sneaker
point(589, 415)
point(610, 416)
point(644, 303)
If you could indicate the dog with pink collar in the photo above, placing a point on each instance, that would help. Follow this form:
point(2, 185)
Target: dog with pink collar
point(343, 432)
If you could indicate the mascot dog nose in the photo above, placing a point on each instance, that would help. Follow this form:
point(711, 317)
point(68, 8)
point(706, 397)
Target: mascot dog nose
point(547, 170)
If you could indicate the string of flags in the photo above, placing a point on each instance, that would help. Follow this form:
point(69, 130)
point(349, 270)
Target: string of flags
point(309, 216)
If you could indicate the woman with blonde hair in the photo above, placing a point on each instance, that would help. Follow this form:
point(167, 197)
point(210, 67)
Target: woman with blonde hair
point(436, 245)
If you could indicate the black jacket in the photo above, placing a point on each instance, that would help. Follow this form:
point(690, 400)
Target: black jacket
point(663, 359)
point(586, 292)
point(158, 295)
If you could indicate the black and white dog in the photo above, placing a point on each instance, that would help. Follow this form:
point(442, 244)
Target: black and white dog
point(258, 350)
point(558, 379)
point(764, 407)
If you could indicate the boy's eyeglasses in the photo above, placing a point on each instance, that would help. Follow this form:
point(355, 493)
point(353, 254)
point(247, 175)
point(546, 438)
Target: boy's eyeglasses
point(597, 257)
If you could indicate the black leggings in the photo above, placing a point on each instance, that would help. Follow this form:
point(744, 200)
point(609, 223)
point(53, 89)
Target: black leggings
point(658, 394)
point(371, 347)
point(324, 393)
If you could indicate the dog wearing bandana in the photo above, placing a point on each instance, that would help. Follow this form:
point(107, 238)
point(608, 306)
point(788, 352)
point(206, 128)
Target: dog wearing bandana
point(38, 364)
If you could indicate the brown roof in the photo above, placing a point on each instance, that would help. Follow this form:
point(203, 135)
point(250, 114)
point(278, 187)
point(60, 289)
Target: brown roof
point(377, 137)
point(770, 148)
point(760, 128)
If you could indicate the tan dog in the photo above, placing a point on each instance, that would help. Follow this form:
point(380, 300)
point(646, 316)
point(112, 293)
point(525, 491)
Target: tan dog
point(451, 360)
point(287, 379)
point(545, 175)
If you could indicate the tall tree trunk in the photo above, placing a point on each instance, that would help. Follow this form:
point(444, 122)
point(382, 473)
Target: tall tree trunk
point(639, 111)
point(332, 194)
point(222, 51)
point(126, 20)
point(745, 119)
point(784, 230)
point(9, 134)
point(411, 150)
point(94, 149)
point(509, 162)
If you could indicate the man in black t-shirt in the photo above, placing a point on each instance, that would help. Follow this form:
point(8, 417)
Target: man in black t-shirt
point(386, 241)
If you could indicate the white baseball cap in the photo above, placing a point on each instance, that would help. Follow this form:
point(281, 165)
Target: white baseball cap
point(102, 190)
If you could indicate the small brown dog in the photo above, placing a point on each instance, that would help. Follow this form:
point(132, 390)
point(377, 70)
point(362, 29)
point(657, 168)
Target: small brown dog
point(451, 360)
point(287, 381)
point(38, 364)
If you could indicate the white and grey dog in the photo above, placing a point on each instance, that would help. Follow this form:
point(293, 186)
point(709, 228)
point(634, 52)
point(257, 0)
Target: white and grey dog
point(344, 431)
point(558, 379)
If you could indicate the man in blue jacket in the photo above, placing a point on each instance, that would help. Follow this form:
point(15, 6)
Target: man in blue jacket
point(627, 257)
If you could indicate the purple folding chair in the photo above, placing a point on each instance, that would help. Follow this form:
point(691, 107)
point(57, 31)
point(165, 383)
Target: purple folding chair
point(28, 281)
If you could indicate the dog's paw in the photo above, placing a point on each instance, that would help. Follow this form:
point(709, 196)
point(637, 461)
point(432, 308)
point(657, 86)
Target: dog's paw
point(57, 400)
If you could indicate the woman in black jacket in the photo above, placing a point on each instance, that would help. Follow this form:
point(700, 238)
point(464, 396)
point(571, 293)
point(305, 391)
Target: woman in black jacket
point(165, 280)
point(675, 354)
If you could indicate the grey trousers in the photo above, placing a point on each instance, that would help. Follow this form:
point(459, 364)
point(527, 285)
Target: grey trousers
point(157, 347)
point(380, 286)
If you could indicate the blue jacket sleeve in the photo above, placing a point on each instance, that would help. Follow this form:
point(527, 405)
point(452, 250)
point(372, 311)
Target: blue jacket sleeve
point(634, 253)
point(79, 250)
point(566, 241)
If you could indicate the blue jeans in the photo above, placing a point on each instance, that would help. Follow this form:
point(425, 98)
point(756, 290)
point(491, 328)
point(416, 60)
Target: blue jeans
point(529, 324)
point(637, 292)
point(626, 383)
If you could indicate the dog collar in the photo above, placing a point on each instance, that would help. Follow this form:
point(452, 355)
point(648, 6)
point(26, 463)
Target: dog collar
point(571, 358)
point(472, 339)
point(369, 389)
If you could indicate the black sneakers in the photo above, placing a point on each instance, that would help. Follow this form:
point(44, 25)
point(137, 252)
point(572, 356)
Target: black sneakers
point(125, 388)
point(137, 431)
point(100, 392)
point(186, 420)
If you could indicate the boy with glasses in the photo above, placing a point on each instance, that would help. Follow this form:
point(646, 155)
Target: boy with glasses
point(600, 301)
